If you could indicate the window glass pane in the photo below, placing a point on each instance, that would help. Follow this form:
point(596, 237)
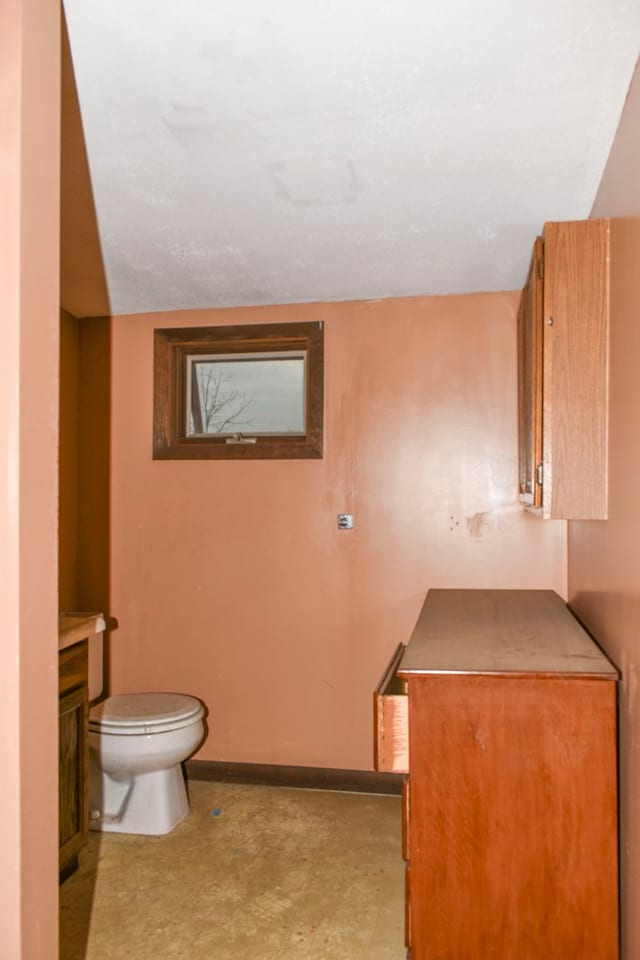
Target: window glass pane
point(251, 394)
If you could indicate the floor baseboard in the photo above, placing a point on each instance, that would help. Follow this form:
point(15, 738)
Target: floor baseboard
point(313, 778)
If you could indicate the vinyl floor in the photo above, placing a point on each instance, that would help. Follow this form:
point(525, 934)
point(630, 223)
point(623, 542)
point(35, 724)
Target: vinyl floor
point(258, 873)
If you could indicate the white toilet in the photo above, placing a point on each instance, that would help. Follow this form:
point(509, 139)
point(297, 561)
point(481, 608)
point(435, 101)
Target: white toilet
point(137, 742)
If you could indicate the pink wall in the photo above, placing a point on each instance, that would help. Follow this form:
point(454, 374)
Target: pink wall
point(230, 579)
point(604, 557)
point(29, 271)
point(68, 460)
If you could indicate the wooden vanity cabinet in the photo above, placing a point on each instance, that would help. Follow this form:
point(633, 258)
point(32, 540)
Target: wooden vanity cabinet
point(510, 805)
point(73, 754)
point(563, 331)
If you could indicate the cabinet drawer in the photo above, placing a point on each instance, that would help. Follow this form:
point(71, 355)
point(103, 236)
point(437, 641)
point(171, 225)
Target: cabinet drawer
point(391, 720)
point(73, 667)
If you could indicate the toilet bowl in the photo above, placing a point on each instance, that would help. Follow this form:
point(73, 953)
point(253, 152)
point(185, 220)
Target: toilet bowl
point(137, 743)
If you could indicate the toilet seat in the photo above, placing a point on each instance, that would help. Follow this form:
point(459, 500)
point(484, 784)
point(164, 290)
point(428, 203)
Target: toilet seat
point(144, 713)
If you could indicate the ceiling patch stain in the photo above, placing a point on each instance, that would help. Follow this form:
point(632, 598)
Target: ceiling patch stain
point(315, 181)
point(233, 68)
point(191, 126)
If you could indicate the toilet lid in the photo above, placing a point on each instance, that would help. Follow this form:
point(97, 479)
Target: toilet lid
point(144, 709)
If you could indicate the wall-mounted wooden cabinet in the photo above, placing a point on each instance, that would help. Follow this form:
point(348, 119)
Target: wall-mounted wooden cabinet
point(563, 339)
point(510, 806)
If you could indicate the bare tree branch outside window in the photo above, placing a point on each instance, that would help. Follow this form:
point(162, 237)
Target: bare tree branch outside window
point(215, 406)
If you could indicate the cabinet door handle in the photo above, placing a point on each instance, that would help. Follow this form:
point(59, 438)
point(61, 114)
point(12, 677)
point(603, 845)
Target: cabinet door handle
point(539, 474)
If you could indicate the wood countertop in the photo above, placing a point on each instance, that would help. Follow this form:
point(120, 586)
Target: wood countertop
point(518, 632)
point(74, 627)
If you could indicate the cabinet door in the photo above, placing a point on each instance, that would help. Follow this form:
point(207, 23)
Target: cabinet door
point(72, 811)
point(563, 330)
point(530, 381)
point(513, 839)
point(576, 343)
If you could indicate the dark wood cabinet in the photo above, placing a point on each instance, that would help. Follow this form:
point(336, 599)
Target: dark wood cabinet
point(563, 331)
point(73, 753)
point(510, 806)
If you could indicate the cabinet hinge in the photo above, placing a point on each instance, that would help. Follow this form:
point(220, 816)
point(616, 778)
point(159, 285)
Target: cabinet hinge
point(539, 474)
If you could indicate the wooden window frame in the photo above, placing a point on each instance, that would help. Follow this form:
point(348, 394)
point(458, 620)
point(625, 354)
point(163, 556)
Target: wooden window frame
point(172, 347)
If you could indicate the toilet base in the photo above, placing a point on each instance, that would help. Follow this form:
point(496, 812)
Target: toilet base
point(150, 804)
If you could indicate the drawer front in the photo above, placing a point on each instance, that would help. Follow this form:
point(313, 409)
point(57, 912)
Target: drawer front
point(391, 720)
point(73, 667)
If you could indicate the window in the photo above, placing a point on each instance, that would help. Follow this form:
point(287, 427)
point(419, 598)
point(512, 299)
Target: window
point(238, 392)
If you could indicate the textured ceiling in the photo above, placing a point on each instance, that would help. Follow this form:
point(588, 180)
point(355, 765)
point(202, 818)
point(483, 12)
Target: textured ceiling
point(244, 152)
